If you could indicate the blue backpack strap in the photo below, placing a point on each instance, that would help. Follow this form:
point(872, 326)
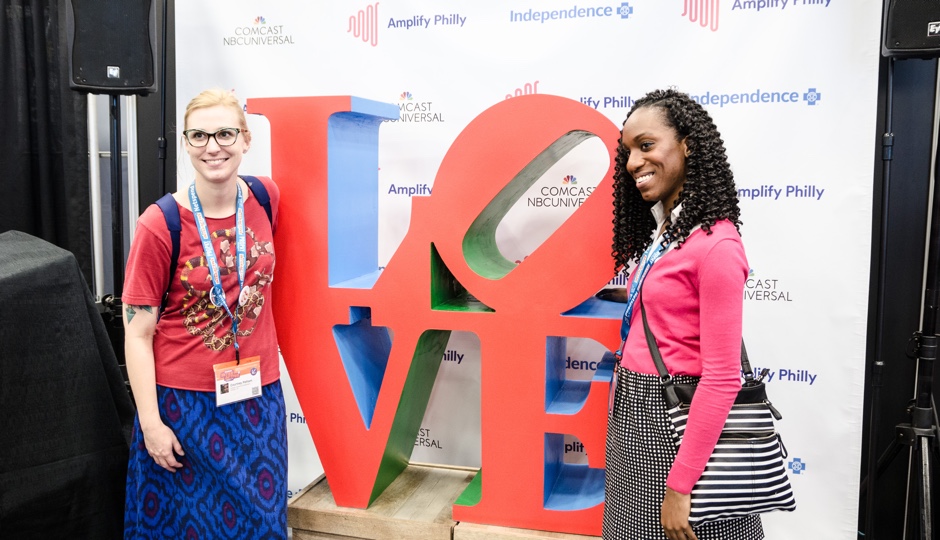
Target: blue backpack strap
point(261, 193)
point(171, 213)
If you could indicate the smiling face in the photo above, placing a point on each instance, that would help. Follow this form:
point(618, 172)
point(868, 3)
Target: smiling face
point(656, 157)
point(214, 163)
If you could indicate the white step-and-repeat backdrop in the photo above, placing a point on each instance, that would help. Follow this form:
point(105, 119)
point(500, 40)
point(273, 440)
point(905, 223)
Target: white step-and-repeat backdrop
point(791, 84)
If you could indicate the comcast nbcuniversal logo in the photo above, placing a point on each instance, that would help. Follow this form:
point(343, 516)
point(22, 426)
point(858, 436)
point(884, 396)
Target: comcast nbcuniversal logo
point(259, 33)
point(568, 195)
point(703, 12)
point(364, 24)
point(412, 110)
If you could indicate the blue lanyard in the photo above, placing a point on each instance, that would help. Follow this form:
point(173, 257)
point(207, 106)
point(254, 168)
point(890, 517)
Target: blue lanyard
point(650, 256)
point(217, 293)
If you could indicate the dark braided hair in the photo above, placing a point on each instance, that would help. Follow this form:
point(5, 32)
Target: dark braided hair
point(707, 196)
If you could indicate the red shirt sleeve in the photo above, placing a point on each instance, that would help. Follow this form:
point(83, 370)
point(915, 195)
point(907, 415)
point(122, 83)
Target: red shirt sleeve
point(147, 272)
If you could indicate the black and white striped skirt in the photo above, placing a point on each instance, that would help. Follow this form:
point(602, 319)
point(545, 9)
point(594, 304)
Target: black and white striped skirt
point(640, 452)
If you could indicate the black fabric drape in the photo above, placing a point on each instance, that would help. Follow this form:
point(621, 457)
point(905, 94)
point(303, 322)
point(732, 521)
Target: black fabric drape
point(67, 417)
point(43, 131)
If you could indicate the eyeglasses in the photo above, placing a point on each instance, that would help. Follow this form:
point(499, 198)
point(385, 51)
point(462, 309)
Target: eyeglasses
point(223, 137)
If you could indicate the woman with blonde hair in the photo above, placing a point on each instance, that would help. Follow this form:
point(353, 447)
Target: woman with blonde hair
point(209, 451)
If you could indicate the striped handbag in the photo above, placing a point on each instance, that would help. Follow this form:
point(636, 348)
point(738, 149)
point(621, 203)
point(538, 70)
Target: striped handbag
point(745, 473)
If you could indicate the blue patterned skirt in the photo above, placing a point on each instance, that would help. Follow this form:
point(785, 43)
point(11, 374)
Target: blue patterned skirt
point(233, 483)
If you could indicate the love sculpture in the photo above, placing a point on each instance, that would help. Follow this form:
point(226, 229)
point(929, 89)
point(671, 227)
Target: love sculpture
point(363, 346)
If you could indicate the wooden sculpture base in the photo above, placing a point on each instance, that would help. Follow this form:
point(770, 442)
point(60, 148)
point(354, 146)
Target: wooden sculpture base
point(416, 506)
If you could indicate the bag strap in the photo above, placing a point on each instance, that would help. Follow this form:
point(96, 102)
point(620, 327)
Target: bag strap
point(669, 391)
point(664, 377)
point(171, 214)
point(654, 348)
point(746, 365)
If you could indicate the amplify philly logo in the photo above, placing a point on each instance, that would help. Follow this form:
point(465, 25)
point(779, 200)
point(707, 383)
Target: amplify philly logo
point(259, 34)
point(364, 24)
point(623, 11)
point(790, 191)
point(424, 22)
point(620, 279)
point(568, 195)
point(703, 12)
point(410, 191)
point(414, 111)
point(780, 5)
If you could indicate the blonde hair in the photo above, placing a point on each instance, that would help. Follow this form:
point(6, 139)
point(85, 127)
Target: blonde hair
point(214, 97)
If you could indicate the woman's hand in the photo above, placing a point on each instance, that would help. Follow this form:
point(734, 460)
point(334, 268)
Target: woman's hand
point(612, 295)
point(675, 516)
point(140, 323)
point(163, 446)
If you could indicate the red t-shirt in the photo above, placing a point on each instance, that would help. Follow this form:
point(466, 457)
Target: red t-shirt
point(193, 335)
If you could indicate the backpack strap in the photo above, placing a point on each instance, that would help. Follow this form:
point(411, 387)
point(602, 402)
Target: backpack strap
point(261, 193)
point(171, 214)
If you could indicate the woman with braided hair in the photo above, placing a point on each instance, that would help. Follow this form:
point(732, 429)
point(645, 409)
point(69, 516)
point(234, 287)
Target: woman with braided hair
point(675, 205)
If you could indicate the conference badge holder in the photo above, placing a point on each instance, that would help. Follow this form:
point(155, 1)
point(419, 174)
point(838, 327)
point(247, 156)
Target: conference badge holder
point(237, 381)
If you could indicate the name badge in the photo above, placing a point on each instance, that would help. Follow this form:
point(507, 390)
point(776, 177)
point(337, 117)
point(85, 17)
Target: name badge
point(236, 382)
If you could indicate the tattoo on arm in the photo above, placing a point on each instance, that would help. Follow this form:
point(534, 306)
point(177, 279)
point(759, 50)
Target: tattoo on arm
point(132, 310)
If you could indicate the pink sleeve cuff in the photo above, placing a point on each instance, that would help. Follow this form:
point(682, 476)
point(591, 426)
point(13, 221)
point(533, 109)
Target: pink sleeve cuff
point(682, 478)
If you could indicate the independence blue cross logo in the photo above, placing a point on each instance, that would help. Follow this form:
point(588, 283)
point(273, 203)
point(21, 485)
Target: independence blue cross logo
point(625, 10)
point(796, 466)
point(812, 96)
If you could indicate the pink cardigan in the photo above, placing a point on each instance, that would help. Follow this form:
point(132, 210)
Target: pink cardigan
point(694, 299)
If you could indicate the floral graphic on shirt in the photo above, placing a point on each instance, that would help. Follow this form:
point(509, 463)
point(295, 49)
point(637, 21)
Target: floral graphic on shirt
point(200, 316)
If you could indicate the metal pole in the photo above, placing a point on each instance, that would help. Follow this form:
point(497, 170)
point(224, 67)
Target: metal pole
point(94, 194)
point(133, 178)
point(117, 213)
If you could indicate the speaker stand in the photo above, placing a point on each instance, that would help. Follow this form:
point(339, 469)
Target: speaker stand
point(920, 435)
point(117, 198)
point(110, 304)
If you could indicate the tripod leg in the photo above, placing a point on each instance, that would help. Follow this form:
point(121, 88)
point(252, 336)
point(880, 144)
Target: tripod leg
point(923, 488)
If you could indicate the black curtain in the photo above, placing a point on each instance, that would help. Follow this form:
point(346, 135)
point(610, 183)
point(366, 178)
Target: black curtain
point(43, 131)
point(899, 234)
point(156, 174)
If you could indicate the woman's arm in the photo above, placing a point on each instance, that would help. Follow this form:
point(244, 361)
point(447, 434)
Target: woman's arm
point(721, 284)
point(140, 322)
point(722, 274)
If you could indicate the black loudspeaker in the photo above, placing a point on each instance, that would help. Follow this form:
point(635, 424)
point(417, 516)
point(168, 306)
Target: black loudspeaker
point(112, 46)
point(911, 28)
